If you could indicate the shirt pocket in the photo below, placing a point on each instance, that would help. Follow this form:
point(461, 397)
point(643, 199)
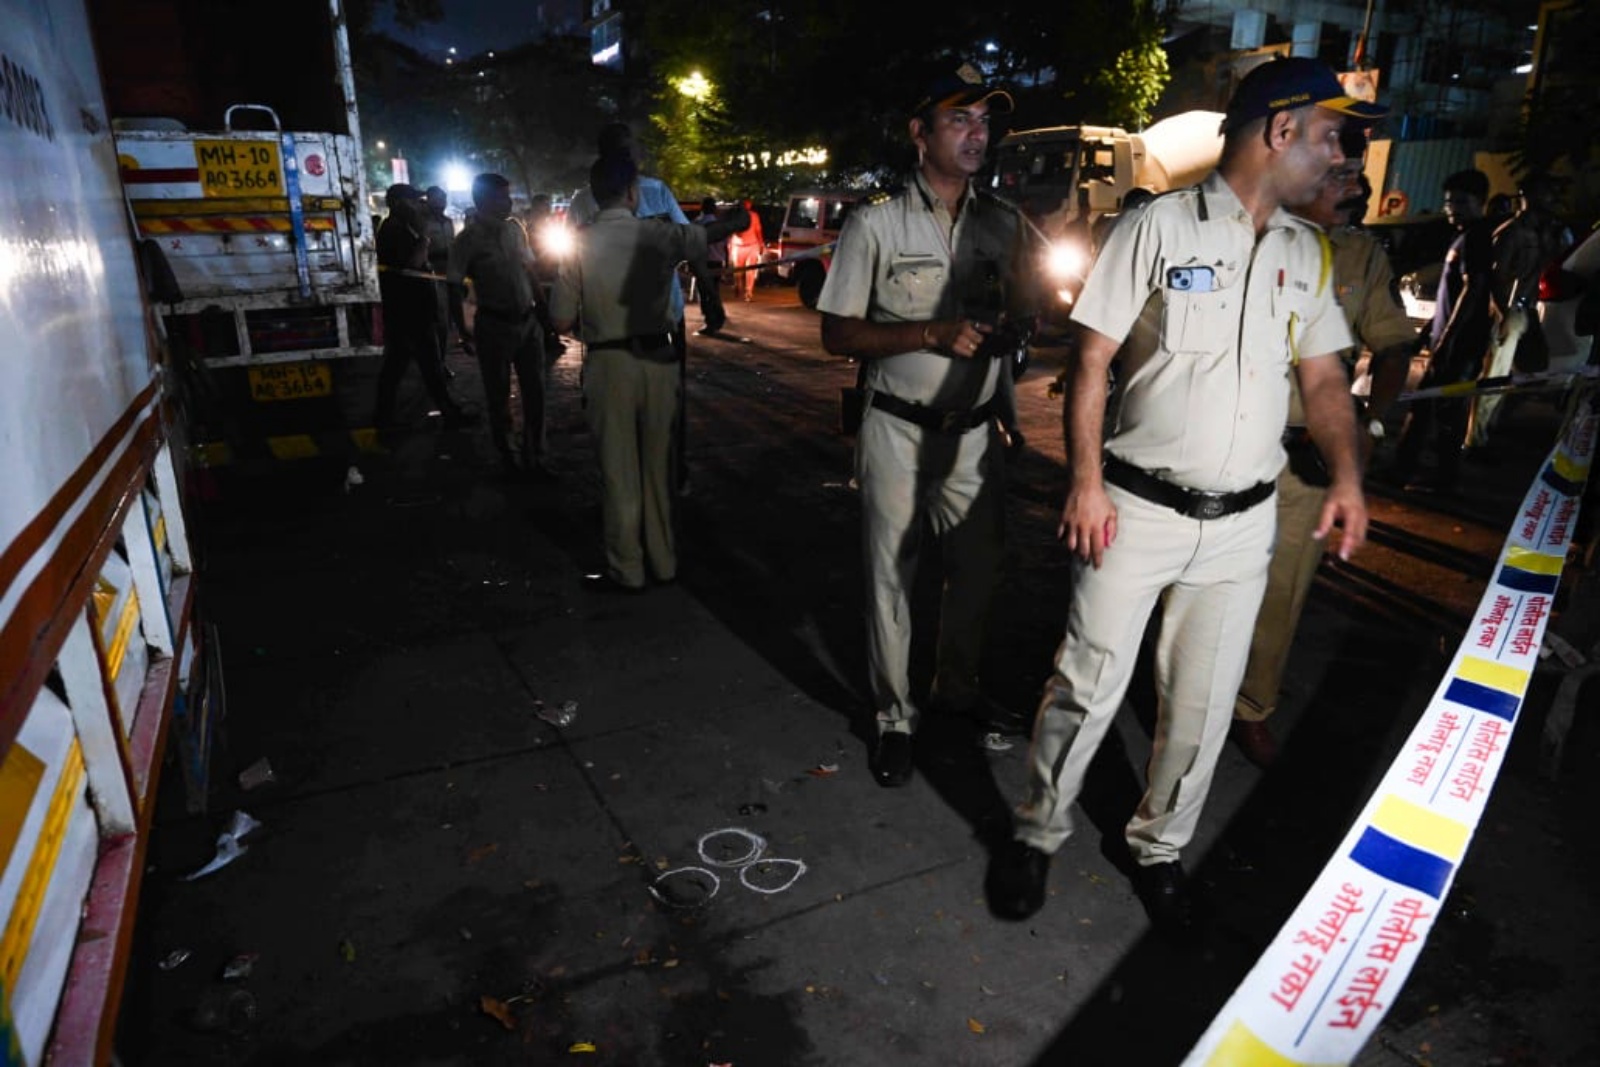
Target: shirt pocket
point(1201, 312)
point(915, 280)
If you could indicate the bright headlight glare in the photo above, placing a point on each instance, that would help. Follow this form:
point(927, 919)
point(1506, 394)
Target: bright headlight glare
point(558, 239)
point(1065, 260)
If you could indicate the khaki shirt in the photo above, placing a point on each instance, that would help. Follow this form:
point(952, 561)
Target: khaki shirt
point(496, 256)
point(1203, 387)
point(899, 259)
point(614, 285)
point(1364, 285)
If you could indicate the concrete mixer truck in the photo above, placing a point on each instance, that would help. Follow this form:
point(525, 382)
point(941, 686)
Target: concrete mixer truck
point(1065, 179)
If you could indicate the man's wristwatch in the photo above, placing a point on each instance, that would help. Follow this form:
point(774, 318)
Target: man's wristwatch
point(1375, 428)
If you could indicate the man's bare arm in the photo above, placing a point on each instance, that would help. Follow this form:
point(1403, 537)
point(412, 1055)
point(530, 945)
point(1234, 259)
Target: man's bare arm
point(1330, 416)
point(1088, 518)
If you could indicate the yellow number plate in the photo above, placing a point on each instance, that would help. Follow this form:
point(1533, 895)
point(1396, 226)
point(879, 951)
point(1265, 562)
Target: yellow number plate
point(239, 168)
point(290, 381)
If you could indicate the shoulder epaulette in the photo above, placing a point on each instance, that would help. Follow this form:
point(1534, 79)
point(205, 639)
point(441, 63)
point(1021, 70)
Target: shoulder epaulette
point(882, 197)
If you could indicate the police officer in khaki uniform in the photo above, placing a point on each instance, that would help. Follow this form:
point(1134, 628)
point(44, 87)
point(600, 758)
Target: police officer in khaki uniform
point(1213, 296)
point(493, 251)
point(1364, 284)
point(924, 288)
point(614, 289)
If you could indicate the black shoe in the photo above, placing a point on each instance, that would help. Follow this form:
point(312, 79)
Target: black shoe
point(604, 583)
point(1164, 891)
point(1017, 880)
point(891, 759)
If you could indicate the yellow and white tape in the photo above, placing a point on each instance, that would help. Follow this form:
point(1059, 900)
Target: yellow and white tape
point(1324, 984)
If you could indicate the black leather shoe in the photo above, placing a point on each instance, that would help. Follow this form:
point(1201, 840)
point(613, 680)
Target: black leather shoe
point(604, 583)
point(891, 759)
point(1017, 880)
point(1164, 891)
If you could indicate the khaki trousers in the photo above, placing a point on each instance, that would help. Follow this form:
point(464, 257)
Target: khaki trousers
point(915, 481)
point(632, 402)
point(1295, 559)
point(1209, 576)
point(504, 347)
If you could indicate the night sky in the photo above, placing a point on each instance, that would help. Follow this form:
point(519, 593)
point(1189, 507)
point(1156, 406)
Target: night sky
point(474, 26)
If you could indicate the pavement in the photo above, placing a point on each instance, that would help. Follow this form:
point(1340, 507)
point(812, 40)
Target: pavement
point(697, 868)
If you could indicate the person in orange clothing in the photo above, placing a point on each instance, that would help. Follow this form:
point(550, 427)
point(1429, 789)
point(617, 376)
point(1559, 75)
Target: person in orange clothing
point(744, 254)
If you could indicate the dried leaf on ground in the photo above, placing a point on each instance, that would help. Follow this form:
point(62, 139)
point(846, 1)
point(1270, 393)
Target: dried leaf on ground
point(497, 1009)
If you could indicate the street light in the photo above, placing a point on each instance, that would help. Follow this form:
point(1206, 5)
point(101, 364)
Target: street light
point(695, 87)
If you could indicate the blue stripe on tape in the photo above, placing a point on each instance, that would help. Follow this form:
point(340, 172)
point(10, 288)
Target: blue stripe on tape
point(1560, 484)
point(1399, 862)
point(1527, 581)
point(1482, 698)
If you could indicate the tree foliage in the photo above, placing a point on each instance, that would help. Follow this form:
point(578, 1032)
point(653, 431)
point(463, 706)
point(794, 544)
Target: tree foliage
point(1136, 78)
point(844, 75)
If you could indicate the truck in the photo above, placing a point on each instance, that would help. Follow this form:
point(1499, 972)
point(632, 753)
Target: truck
point(104, 659)
point(1065, 179)
point(239, 149)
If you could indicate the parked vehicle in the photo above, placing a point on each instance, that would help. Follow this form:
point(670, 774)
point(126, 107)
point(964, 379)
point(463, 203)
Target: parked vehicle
point(102, 657)
point(1569, 301)
point(811, 224)
point(246, 170)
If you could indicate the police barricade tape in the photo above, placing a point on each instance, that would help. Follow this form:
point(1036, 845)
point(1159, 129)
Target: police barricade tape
point(1325, 982)
point(1508, 383)
point(816, 252)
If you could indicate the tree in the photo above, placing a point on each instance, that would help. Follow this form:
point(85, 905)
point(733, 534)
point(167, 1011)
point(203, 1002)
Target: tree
point(1138, 76)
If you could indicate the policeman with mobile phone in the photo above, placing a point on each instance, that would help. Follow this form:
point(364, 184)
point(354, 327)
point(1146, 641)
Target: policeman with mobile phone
point(1210, 297)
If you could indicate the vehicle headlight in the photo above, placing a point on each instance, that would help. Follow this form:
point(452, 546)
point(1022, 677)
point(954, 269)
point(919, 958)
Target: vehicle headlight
point(558, 239)
point(1065, 262)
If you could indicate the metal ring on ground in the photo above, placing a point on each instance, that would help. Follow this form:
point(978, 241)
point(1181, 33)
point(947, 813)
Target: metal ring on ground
point(744, 874)
point(758, 845)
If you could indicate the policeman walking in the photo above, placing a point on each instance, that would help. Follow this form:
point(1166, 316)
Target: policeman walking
point(1213, 296)
point(925, 290)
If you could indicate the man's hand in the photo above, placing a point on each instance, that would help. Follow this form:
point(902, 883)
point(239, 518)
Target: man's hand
point(1089, 524)
point(961, 338)
point(1346, 507)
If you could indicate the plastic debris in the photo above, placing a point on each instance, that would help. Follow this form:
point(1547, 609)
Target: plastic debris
point(561, 716)
point(352, 477)
point(582, 1046)
point(975, 1026)
point(995, 741)
point(256, 775)
point(347, 950)
point(228, 845)
point(240, 966)
point(824, 770)
point(174, 959)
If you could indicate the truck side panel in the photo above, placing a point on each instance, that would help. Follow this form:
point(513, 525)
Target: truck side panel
point(94, 565)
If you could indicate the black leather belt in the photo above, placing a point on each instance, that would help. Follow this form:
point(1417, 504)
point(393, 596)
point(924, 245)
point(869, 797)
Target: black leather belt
point(639, 342)
point(940, 420)
point(1191, 503)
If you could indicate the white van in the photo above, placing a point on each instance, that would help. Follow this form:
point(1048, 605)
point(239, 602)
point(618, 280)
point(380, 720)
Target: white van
point(811, 224)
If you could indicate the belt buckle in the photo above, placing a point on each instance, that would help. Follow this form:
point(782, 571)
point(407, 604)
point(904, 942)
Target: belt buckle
point(1206, 506)
point(953, 421)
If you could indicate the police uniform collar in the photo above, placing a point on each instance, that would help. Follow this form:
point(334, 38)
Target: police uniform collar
point(1223, 202)
point(929, 198)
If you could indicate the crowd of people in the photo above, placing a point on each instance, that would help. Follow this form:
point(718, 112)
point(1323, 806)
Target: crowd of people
point(1215, 450)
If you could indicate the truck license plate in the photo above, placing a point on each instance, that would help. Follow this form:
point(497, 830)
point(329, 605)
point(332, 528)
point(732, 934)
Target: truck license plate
point(239, 168)
point(290, 381)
